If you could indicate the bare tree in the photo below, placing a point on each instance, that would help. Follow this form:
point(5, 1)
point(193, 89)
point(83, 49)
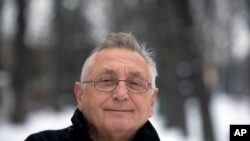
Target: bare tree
point(20, 67)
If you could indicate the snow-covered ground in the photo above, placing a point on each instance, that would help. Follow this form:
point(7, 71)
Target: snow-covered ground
point(225, 111)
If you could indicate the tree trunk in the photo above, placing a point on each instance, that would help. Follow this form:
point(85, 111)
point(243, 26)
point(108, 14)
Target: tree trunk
point(20, 67)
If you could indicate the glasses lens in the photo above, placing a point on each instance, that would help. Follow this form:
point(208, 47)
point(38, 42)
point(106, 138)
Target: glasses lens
point(109, 83)
point(105, 83)
point(137, 85)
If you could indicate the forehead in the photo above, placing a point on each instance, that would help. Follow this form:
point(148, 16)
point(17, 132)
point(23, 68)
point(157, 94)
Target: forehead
point(117, 61)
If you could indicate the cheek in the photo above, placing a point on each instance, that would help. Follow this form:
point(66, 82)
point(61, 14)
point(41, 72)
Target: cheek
point(89, 108)
point(150, 109)
point(144, 107)
point(84, 103)
point(92, 102)
point(87, 100)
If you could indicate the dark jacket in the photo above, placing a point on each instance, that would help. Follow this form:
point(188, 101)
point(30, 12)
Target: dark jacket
point(78, 132)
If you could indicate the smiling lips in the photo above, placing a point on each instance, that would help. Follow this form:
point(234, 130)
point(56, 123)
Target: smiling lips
point(119, 110)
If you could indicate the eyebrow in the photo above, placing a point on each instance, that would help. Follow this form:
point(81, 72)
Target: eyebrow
point(107, 71)
point(136, 74)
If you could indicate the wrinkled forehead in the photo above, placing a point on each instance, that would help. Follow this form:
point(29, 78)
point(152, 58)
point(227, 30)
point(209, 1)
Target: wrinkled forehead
point(116, 73)
point(115, 61)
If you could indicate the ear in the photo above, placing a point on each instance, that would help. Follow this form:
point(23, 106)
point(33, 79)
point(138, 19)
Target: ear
point(153, 100)
point(78, 93)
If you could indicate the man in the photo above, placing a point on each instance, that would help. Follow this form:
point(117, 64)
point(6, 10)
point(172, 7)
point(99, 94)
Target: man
point(115, 96)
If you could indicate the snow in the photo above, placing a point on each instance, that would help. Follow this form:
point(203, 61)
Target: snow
point(36, 121)
point(225, 111)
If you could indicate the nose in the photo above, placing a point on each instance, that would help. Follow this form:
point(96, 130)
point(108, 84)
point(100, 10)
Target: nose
point(121, 92)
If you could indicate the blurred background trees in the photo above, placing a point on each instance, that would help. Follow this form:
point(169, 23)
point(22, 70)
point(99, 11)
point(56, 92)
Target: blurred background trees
point(202, 48)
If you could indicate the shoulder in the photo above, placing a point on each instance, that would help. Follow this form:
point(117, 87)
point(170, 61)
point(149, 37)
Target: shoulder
point(147, 133)
point(51, 135)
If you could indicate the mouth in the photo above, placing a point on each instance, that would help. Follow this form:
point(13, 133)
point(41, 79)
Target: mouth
point(119, 110)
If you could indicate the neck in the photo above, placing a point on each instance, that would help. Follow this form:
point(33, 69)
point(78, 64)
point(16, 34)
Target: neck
point(111, 136)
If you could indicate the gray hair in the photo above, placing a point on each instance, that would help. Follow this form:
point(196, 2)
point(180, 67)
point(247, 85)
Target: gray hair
point(123, 41)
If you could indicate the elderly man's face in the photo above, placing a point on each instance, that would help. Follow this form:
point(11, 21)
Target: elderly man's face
point(119, 110)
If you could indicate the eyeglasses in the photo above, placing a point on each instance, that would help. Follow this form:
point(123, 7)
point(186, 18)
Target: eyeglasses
point(109, 84)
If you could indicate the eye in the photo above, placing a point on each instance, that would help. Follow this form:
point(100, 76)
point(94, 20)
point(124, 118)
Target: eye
point(133, 82)
point(106, 80)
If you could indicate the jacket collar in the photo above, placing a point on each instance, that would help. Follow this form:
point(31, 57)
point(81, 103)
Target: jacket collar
point(146, 133)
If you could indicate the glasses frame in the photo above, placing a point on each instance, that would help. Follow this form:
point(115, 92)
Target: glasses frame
point(117, 83)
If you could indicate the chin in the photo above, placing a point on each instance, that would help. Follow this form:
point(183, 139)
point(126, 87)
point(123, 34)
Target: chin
point(118, 126)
